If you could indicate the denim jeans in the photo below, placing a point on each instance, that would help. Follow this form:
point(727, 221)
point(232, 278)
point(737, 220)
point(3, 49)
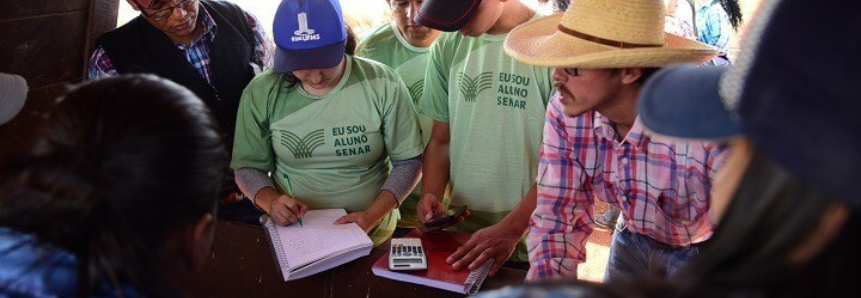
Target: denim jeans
point(633, 255)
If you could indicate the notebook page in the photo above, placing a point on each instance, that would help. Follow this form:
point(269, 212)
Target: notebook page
point(319, 237)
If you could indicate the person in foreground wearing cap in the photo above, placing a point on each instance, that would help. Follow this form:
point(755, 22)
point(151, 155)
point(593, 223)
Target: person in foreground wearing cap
point(786, 201)
point(324, 123)
point(487, 111)
point(595, 146)
point(213, 48)
point(403, 45)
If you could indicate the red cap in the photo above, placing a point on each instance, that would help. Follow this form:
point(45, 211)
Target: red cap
point(143, 3)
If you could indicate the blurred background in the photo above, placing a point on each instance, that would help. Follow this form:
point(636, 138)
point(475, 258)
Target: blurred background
point(363, 15)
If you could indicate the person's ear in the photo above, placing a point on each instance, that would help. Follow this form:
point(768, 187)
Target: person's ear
point(133, 5)
point(631, 75)
point(200, 242)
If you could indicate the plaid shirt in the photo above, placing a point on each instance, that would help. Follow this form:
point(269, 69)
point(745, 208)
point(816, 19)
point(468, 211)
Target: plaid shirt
point(197, 53)
point(662, 187)
point(714, 26)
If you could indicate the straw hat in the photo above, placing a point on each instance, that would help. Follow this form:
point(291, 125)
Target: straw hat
point(604, 34)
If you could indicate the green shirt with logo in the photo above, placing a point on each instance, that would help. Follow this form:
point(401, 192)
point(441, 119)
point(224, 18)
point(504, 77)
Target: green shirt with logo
point(329, 151)
point(387, 45)
point(495, 108)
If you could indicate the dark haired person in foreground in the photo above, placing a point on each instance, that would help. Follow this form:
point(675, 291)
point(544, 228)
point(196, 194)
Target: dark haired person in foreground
point(83, 215)
point(786, 202)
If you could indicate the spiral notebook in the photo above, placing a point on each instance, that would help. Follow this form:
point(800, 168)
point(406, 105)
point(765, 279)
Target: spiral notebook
point(317, 245)
point(439, 274)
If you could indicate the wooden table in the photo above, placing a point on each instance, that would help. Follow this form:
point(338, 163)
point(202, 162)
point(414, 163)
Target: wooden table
point(242, 265)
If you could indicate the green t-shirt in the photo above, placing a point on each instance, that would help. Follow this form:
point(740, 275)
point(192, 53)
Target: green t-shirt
point(495, 108)
point(329, 151)
point(387, 45)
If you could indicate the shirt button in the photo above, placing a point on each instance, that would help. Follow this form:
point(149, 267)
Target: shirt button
point(625, 160)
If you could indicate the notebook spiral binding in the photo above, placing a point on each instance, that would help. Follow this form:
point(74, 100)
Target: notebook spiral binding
point(477, 277)
point(277, 251)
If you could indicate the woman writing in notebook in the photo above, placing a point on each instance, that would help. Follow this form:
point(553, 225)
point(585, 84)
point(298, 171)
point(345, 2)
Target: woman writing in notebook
point(326, 124)
point(87, 214)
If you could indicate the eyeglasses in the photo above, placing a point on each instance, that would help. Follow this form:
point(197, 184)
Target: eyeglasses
point(572, 71)
point(163, 14)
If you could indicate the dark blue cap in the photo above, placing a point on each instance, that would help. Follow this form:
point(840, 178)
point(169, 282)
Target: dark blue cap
point(309, 34)
point(683, 102)
point(796, 91)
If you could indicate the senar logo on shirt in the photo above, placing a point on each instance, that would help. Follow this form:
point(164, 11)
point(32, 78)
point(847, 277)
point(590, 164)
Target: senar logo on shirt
point(417, 90)
point(302, 147)
point(304, 33)
point(472, 87)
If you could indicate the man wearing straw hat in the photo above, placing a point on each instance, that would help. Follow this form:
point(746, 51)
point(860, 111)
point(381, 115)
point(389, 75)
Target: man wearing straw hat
point(488, 112)
point(595, 146)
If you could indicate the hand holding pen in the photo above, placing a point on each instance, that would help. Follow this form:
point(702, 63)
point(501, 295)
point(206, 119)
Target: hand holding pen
point(282, 208)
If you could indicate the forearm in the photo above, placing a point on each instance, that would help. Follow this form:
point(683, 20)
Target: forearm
point(251, 181)
point(382, 205)
point(265, 197)
point(557, 237)
point(403, 178)
point(518, 219)
point(435, 165)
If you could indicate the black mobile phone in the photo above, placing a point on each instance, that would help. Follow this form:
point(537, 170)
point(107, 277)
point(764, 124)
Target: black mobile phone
point(444, 219)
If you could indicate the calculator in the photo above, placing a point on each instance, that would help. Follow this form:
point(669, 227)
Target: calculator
point(407, 254)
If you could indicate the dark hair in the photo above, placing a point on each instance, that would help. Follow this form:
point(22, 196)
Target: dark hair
point(349, 49)
point(647, 73)
point(771, 215)
point(122, 165)
point(560, 5)
point(733, 10)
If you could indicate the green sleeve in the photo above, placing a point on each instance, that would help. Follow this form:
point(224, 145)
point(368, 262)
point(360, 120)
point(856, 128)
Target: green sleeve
point(362, 48)
point(401, 129)
point(434, 101)
point(252, 143)
point(366, 45)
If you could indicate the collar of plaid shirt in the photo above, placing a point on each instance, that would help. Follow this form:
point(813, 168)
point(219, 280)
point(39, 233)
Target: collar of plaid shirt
point(209, 28)
point(637, 136)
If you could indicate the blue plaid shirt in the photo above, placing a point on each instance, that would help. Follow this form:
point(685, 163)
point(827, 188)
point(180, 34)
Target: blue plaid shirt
point(30, 268)
point(197, 53)
point(713, 26)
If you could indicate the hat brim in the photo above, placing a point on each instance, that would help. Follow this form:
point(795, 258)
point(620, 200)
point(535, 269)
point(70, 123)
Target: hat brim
point(316, 58)
point(684, 102)
point(539, 43)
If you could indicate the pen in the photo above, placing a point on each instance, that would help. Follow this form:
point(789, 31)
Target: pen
point(300, 222)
